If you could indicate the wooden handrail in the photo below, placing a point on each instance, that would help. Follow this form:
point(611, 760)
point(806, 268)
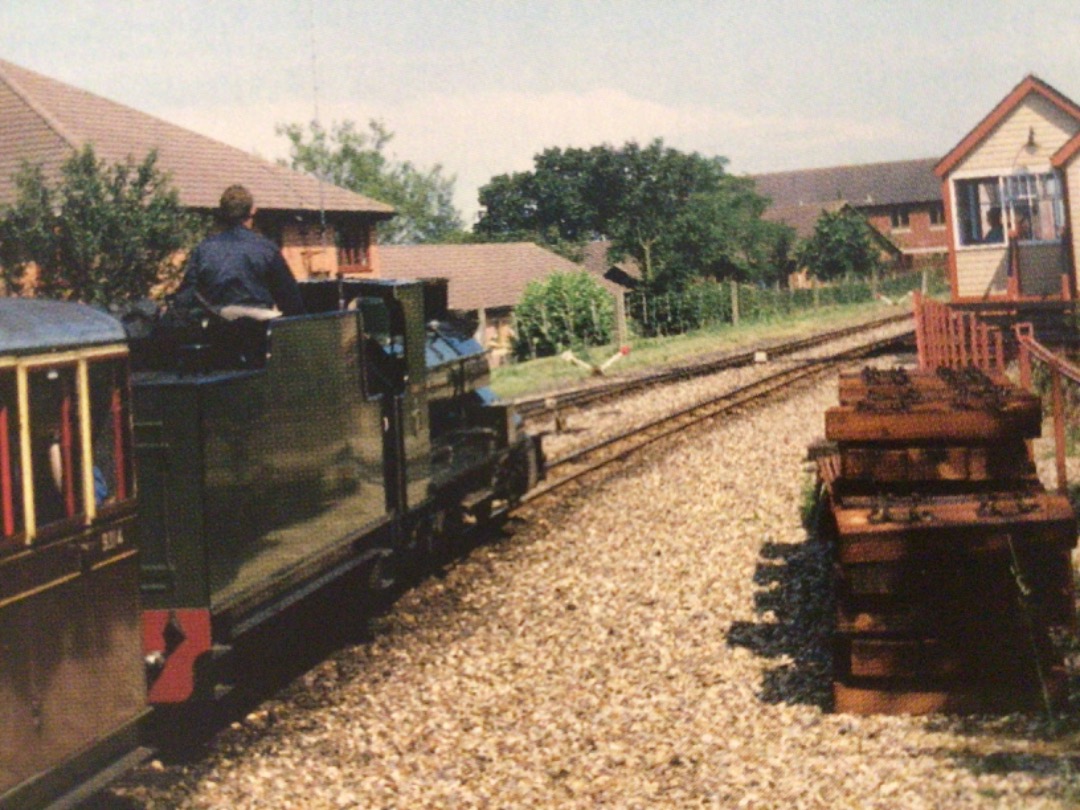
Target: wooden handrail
point(1059, 368)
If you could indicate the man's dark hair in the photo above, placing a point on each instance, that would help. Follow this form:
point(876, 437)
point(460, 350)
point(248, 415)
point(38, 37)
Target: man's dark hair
point(236, 205)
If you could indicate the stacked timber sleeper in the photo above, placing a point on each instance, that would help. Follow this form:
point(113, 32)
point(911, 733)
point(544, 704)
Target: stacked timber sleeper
point(952, 562)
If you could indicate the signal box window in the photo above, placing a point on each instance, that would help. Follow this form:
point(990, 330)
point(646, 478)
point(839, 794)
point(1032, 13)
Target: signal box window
point(55, 445)
point(1017, 206)
point(110, 437)
point(979, 214)
point(1035, 206)
point(11, 511)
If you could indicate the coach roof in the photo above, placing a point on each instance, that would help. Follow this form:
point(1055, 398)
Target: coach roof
point(29, 325)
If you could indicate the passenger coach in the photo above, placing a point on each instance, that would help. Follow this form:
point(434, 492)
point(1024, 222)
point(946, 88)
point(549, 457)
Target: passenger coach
point(72, 685)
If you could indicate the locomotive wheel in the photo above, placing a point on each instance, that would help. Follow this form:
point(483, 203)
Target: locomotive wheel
point(428, 530)
point(380, 578)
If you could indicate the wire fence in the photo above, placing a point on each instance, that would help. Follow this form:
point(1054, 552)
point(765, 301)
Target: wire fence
point(711, 303)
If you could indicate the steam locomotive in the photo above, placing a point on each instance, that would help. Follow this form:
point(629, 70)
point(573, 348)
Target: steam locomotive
point(267, 460)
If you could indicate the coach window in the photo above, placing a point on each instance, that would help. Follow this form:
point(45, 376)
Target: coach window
point(11, 511)
point(110, 436)
point(56, 444)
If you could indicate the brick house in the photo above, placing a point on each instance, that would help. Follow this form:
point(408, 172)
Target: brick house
point(900, 199)
point(803, 220)
point(1012, 198)
point(44, 121)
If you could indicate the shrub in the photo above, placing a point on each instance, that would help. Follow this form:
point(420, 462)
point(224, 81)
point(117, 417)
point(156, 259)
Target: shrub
point(564, 311)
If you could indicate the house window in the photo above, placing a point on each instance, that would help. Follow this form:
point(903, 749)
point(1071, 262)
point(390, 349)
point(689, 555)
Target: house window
point(352, 248)
point(900, 219)
point(937, 214)
point(1025, 206)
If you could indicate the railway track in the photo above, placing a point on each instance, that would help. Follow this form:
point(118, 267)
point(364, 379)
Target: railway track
point(536, 408)
point(579, 463)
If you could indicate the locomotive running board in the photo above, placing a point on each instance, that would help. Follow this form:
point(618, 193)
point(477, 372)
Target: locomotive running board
point(289, 599)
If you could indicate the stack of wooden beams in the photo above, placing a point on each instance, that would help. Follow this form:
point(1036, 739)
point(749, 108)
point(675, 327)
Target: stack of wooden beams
point(952, 562)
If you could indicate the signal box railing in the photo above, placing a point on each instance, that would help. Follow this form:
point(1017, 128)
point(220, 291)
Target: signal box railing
point(1060, 369)
point(951, 339)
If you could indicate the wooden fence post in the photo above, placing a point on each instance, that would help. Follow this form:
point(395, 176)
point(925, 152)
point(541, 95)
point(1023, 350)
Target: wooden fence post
point(1059, 429)
point(734, 303)
point(621, 332)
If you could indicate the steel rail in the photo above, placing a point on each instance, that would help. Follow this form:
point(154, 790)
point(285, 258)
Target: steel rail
point(533, 407)
point(582, 462)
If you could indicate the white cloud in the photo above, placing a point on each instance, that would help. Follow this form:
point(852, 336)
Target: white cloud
point(476, 136)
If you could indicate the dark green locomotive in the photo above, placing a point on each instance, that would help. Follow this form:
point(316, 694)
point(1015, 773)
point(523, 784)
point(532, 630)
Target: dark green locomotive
point(275, 456)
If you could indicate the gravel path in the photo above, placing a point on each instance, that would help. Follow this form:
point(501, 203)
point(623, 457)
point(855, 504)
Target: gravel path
point(661, 644)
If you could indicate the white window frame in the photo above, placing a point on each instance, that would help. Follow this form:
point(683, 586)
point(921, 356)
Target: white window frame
point(1031, 190)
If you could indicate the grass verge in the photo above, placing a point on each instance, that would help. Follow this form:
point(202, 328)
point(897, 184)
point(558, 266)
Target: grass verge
point(551, 373)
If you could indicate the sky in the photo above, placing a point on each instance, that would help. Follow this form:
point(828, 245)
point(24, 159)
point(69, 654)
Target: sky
point(479, 87)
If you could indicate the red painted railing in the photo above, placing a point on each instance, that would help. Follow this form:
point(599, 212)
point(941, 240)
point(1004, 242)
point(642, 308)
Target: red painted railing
point(951, 339)
point(1031, 349)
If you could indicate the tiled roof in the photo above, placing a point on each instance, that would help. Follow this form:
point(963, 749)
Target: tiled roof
point(803, 218)
point(897, 182)
point(596, 262)
point(485, 276)
point(43, 120)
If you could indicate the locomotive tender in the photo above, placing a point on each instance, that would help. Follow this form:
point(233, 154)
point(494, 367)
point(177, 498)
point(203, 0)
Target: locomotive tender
point(269, 458)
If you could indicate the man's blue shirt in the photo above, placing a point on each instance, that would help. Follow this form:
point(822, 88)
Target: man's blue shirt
point(239, 266)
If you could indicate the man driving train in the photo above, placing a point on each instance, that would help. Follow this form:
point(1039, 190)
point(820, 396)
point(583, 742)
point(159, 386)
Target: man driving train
point(238, 270)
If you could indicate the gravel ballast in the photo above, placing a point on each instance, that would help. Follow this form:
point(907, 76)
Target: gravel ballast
point(660, 642)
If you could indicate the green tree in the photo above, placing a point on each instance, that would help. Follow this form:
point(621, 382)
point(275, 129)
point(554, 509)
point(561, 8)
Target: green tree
point(555, 204)
point(720, 235)
point(842, 245)
point(563, 311)
point(358, 161)
point(100, 233)
point(679, 215)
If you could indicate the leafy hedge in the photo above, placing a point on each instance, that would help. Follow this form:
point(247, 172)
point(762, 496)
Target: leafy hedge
point(564, 311)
